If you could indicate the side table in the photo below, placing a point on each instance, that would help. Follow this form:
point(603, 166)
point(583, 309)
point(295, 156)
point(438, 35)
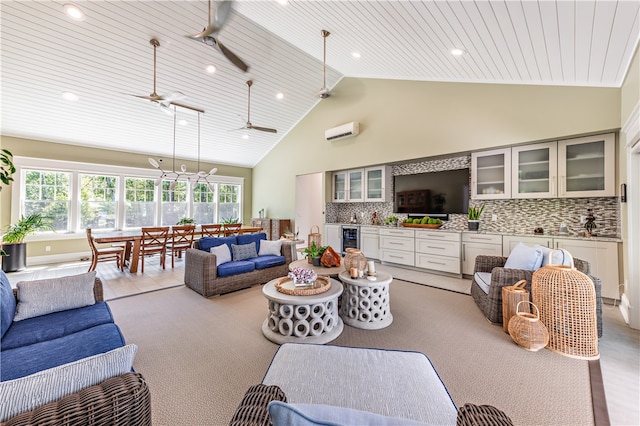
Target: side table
point(365, 303)
point(308, 319)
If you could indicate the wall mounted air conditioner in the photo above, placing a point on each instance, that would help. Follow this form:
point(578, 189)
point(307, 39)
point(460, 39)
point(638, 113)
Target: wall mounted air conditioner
point(342, 131)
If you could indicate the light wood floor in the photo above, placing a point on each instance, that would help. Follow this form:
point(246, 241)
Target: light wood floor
point(619, 346)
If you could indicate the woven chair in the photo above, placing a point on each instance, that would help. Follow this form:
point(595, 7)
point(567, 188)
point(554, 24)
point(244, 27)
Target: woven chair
point(490, 303)
point(211, 230)
point(106, 254)
point(154, 241)
point(231, 229)
point(181, 240)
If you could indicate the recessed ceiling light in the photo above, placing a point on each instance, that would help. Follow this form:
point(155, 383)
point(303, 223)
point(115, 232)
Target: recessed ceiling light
point(73, 12)
point(245, 136)
point(211, 69)
point(69, 96)
point(458, 52)
point(280, 95)
point(183, 122)
point(356, 55)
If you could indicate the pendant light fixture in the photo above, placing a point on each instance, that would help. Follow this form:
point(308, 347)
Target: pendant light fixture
point(174, 175)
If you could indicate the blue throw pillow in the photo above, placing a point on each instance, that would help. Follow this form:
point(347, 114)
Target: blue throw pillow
point(524, 257)
point(243, 251)
point(7, 304)
point(205, 243)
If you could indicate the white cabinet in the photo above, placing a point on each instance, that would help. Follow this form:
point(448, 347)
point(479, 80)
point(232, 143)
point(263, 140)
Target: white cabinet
point(490, 174)
point(586, 166)
point(370, 242)
point(348, 185)
point(378, 184)
point(370, 184)
point(510, 241)
point(333, 236)
point(476, 244)
point(397, 246)
point(603, 257)
point(438, 250)
point(534, 170)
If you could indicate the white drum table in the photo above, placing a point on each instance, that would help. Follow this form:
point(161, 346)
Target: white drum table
point(308, 319)
point(365, 302)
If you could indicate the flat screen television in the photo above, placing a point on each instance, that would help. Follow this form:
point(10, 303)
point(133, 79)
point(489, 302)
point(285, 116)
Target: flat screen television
point(436, 194)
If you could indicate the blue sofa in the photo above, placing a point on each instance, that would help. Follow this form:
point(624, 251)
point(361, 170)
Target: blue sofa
point(206, 273)
point(46, 348)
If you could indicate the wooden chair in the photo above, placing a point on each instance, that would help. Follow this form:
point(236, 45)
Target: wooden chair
point(106, 254)
point(231, 229)
point(211, 230)
point(154, 241)
point(181, 240)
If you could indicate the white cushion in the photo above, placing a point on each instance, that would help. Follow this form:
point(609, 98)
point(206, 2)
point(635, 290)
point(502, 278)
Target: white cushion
point(560, 256)
point(43, 387)
point(268, 247)
point(483, 279)
point(41, 297)
point(223, 254)
point(524, 257)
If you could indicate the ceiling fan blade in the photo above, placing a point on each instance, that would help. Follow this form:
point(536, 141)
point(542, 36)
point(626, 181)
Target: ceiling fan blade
point(263, 129)
point(232, 57)
point(148, 97)
point(239, 128)
point(171, 97)
point(221, 15)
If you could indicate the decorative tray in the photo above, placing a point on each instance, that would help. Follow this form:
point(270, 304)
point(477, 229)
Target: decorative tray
point(420, 225)
point(320, 285)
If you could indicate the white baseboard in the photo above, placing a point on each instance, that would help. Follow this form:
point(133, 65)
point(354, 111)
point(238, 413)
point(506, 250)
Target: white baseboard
point(624, 307)
point(58, 258)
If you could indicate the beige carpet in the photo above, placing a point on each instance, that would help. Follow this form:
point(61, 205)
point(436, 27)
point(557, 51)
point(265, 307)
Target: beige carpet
point(200, 355)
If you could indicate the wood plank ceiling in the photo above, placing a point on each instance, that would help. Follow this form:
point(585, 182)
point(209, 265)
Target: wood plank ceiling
point(107, 56)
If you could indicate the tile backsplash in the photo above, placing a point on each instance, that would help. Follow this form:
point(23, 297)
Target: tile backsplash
point(513, 215)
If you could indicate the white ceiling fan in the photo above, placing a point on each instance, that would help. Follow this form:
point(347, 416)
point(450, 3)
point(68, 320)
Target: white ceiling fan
point(249, 125)
point(209, 34)
point(324, 91)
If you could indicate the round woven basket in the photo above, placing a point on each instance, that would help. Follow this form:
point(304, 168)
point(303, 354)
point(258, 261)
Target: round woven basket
point(527, 330)
point(567, 301)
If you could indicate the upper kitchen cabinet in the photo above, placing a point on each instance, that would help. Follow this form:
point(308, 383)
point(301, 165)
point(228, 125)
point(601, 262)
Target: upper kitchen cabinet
point(490, 174)
point(378, 183)
point(534, 170)
point(586, 166)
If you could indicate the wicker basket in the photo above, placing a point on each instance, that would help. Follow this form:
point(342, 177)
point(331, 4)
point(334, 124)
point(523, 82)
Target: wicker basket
point(567, 301)
point(527, 330)
point(314, 237)
point(511, 295)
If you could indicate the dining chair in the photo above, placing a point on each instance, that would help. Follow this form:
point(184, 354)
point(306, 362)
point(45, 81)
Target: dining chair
point(154, 241)
point(231, 229)
point(211, 230)
point(106, 254)
point(181, 240)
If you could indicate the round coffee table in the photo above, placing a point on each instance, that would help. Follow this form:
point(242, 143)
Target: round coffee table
point(320, 270)
point(309, 319)
point(365, 303)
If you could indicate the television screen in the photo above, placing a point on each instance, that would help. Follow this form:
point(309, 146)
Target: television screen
point(436, 194)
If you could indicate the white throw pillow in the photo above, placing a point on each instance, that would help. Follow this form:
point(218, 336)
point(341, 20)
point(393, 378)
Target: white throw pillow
point(43, 387)
point(222, 252)
point(268, 247)
point(555, 257)
point(41, 297)
point(524, 257)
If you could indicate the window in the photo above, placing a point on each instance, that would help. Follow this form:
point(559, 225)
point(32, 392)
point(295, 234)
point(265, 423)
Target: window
point(48, 193)
point(98, 201)
point(140, 205)
point(174, 202)
point(229, 203)
point(204, 204)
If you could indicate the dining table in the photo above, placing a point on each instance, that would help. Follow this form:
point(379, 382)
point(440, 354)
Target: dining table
point(132, 239)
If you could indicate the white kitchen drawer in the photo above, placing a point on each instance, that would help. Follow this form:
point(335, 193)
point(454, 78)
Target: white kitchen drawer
point(438, 235)
point(440, 248)
point(438, 263)
point(481, 238)
point(369, 230)
point(395, 256)
point(397, 243)
point(397, 232)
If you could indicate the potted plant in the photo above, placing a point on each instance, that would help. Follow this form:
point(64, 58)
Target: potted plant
point(313, 253)
point(185, 221)
point(7, 168)
point(15, 249)
point(474, 217)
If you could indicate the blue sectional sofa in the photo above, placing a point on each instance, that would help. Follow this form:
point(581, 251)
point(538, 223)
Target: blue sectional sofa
point(218, 265)
point(57, 336)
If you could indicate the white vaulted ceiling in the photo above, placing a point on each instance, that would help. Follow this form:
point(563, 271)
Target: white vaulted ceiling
point(107, 56)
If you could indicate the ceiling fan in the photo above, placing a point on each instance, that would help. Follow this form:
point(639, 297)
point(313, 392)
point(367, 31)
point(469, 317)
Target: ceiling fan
point(324, 91)
point(250, 126)
point(209, 35)
point(165, 101)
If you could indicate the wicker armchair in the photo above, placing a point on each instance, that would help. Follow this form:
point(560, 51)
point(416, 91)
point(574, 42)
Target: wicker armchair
point(491, 303)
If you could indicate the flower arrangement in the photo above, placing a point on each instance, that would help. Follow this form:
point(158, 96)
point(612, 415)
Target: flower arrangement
point(302, 276)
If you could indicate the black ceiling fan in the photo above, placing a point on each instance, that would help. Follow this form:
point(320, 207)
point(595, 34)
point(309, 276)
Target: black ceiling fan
point(249, 125)
point(209, 35)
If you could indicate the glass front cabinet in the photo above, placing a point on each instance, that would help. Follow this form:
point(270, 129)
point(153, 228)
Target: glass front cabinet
point(490, 174)
point(378, 183)
point(586, 166)
point(534, 171)
point(348, 185)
